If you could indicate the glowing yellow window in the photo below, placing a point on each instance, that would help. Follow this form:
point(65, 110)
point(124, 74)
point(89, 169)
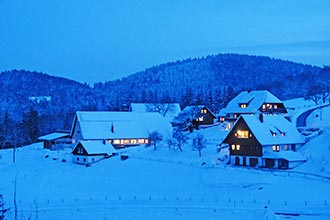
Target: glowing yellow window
point(263, 106)
point(141, 141)
point(200, 119)
point(116, 141)
point(203, 111)
point(233, 146)
point(126, 141)
point(146, 141)
point(276, 148)
point(242, 134)
point(133, 141)
point(243, 105)
point(238, 147)
point(275, 106)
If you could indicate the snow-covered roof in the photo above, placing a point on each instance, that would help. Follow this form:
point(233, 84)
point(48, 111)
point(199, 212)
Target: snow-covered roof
point(112, 125)
point(168, 110)
point(287, 155)
point(53, 136)
point(285, 131)
point(253, 99)
point(97, 147)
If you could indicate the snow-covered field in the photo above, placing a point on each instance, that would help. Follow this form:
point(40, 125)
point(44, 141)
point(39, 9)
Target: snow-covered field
point(165, 184)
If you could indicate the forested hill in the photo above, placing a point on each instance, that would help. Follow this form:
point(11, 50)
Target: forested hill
point(214, 80)
point(47, 103)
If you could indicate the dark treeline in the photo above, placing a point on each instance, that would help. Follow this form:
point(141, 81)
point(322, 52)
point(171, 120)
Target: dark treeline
point(211, 80)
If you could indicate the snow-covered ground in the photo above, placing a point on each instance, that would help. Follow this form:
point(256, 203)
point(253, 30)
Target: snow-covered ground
point(166, 184)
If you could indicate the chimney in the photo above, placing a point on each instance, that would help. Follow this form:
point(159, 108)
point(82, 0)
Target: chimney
point(112, 128)
point(104, 141)
point(261, 118)
point(249, 90)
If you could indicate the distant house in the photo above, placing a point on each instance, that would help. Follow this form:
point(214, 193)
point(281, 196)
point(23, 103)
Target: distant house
point(167, 110)
point(252, 102)
point(264, 141)
point(195, 116)
point(56, 140)
point(121, 129)
point(88, 152)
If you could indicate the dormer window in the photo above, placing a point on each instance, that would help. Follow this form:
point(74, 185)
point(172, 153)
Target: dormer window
point(273, 133)
point(243, 105)
point(203, 111)
point(283, 134)
point(275, 106)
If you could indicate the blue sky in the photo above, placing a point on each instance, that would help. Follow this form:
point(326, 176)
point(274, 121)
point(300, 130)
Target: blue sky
point(97, 41)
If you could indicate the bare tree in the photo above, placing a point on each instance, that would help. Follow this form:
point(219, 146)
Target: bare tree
point(199, 143)
point(155, 137)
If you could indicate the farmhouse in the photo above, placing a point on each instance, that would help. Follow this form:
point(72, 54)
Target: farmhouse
point(252, 102)
point(121, 129)
point(56, 140)
point(264, 141)
point(194, 116)
point(167, 110)
point(87, 152)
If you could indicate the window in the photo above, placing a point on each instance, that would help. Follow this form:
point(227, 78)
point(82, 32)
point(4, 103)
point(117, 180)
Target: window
point(77, 158)
point(242, 105)
point(84, 159)
point(200, 119)
point(287, 147)
point(276, 148)
point(242, 134)
point(73, 141)
point(126, 141)
point(141, 141)
point(263, 106)
point(283, 134)
point(235, 115)
point(275, 106)
point(233, 146)
point(238, 147)
point(80, 150)
point(116, 141)
point(146, 141)
point(203, 111)
point(133, 141)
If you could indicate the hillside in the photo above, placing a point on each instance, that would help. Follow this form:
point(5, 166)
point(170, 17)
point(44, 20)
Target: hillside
point(214, 80)
point(211, 80)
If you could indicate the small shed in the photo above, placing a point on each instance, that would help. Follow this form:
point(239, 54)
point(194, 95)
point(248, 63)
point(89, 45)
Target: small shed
point(88, 152)
point(56, 140)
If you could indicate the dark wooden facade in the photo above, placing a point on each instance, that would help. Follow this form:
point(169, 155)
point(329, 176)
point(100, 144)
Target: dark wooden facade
point(247, 146)
point(203, 117)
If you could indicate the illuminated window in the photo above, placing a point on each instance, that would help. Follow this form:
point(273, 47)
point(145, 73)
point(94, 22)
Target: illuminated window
point(126, 141)
point(233, 146)
point(203, 111)
point(283, 134)
point(73, 141)
point(228, 126)
point(235, 115)
point(146, 141)
point(275, 106)
point(286, 147)
point(222, 119)
point(200, 119)
point(116, 141)
point(133, 141)
point(263, 106)
point(141, 141)
point(242, 134)
point(110, 141)
point(238, 147)
point(276, 148)
point(242, 105)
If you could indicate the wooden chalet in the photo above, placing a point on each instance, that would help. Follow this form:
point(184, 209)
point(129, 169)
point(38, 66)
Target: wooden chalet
point(56, 140)
point(88, 152)
point(264, 141)
point(252, 102)
point(121, 129)
point(194, 116)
